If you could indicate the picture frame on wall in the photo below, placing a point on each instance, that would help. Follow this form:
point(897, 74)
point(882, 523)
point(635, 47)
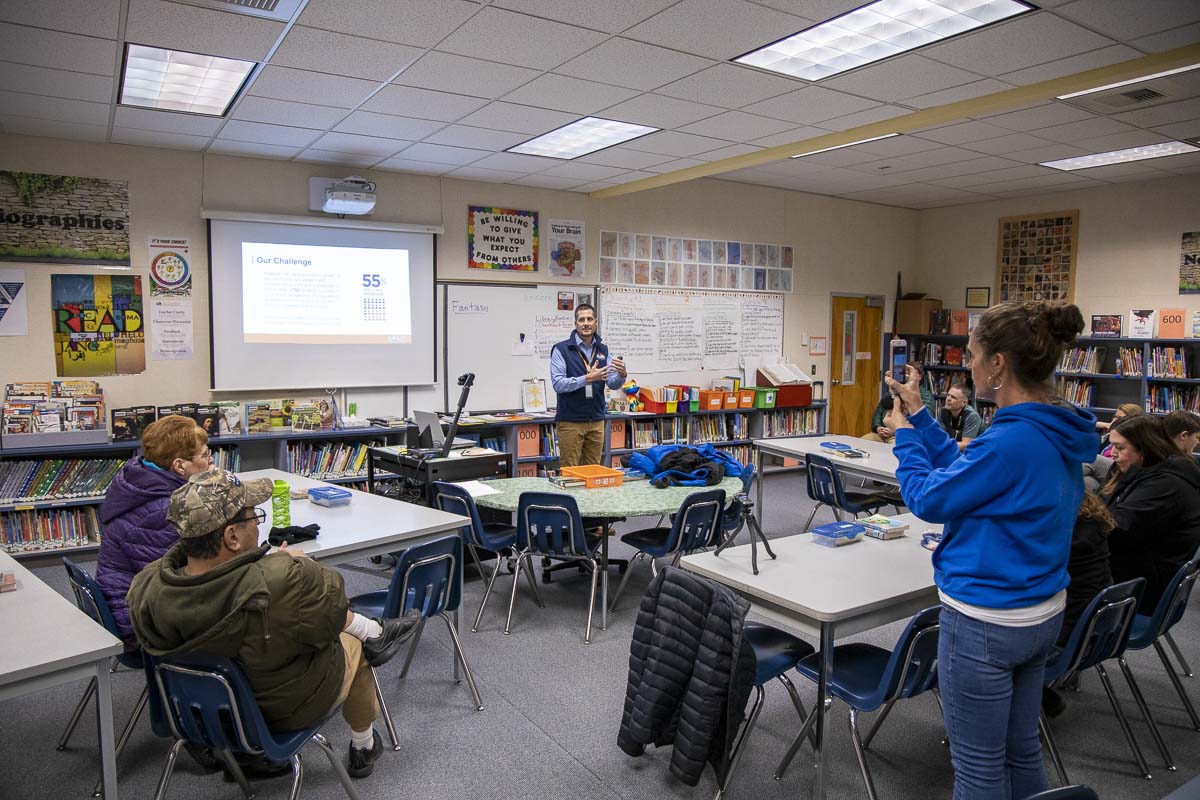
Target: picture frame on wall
point(979, 296)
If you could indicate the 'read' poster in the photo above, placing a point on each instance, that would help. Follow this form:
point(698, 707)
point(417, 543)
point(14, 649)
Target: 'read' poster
point(98, 325)
point(565, 245)
point(171, 314)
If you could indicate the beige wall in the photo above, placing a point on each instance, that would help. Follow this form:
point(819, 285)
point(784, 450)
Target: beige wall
point(1129, 241)
point(841, 246)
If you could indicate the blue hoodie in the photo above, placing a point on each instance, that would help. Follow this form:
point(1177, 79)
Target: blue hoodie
point(1008, 501)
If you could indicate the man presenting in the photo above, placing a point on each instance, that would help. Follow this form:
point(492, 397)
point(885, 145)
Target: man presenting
point(579, 370)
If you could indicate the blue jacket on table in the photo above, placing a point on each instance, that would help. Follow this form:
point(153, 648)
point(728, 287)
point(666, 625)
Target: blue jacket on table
point(133, 519)
point(1008, 502)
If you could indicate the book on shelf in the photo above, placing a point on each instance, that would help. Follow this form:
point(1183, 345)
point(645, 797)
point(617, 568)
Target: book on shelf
point(306, 417)
point(1170, 323)
point(53, 407)
point(229, 417)
point(258, 416)
point(1141, 323)
point(56, 478)
point(973, 320)
point(1106, 326)
point(1129, 361)
point(954, 356)
point(128, 423)
point(208, 417)
point(33, 530)
point(939, 321)
point(1196, 324)
point(958, 322)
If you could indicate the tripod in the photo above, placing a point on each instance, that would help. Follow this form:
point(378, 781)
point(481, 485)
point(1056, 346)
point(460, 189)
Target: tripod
point(747, 520)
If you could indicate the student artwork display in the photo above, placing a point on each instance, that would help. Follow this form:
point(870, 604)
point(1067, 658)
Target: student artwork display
point(565, 245)
point(1189, 264)
point(644, 259)
point(14, 316)
point(1036, 256)
point(98, 326)
point(63, 219)
point(502, 238)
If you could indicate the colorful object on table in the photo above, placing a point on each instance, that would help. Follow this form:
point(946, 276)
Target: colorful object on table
point(329, 496)
point(931, 539)
point(630, 388)
point(281, 505)
point(836, 534)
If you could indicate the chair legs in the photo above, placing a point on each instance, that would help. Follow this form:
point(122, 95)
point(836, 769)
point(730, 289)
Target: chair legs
point(1044, 725)
point(1178, 684)
point(860, 750)
point(164, 781)
point(612, 605)
point(412, 648)
point(1145, 709)
point(339, 768)
point(88, 692)
point(792, 693)
point(739, 745)
point(297, 776)
point(1124, 722)
point(487, 592)
point(524, 563)
point(595, 568)
point(383, 710)
point(235, 770)
point(1183, 664)
point(807, 731)
point(462, 659)
point(879, 718)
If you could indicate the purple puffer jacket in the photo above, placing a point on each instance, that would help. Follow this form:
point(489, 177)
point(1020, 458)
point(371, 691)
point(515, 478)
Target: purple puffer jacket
point(135, 529)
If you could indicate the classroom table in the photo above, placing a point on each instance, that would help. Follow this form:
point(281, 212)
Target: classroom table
point(631, 499)
point(880, 463)
point(830, 593)
point(48, 641)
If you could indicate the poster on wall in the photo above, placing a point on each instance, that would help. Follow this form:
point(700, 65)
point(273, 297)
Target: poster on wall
point(14, 316)
point(565, 244)
point(1036, 256)
point(170, 299)
point(63, 219)
point(170, 267)
point(502, 238)
point(1189, 264)
point(98, 325)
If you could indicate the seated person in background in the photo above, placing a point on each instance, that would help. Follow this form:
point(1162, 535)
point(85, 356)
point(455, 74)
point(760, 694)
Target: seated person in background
point(1184, 429)
point(1154, 496)
point(958, 418)
point(281, 616)
point(879, 431)
point(133, 515)
point(1096, 473)
point(1123, 410)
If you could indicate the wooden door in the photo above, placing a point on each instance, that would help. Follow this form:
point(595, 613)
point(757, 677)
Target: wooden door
point(854, 358)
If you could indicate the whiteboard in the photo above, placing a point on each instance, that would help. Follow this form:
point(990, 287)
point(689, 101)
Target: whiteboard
point(688, 336)
point(484, 324)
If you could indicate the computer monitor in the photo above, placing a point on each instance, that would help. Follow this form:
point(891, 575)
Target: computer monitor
point(429, 427)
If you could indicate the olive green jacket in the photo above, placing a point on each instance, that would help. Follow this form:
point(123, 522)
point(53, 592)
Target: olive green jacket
point(277, 616)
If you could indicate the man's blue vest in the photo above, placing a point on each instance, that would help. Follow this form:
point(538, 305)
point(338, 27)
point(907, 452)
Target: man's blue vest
point(575, 406)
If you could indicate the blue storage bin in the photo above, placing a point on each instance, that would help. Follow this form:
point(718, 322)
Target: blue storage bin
point(329, 496)
point(836, 534)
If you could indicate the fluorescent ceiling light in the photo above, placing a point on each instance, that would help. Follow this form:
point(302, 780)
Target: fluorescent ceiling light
point(875, 32)
point(1123, 156)
point(847, 144)
point(1119, 84)
point(173, 80)
point(581, 137)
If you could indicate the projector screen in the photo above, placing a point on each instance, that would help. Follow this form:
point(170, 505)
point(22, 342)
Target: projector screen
point(296, 306)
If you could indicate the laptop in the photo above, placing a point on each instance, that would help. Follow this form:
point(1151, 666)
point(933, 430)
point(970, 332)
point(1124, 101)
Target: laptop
point(429, 421)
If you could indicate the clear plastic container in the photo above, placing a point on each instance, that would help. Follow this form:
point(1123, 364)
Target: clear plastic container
point(836, 534)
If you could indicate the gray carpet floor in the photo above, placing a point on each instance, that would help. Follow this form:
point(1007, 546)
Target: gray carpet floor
point(553, 707)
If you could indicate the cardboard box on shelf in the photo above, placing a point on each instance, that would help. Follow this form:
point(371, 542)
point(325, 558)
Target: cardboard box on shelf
point(912, 316)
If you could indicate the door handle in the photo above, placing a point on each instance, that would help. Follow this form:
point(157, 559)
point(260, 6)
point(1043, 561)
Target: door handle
point(836, 382)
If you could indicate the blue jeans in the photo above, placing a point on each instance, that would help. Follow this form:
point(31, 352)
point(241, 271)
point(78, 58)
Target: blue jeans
point(990, 678)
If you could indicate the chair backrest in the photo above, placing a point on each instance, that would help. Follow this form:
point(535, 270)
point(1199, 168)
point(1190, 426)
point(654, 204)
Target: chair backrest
point(1174, 600)
point(455, 499)
point(206, 700)
point(89, 597)
point(824, 483)
point(549, 523)
point(912, 668)
point(697, 521)
point(427, 578)
point(1102, 630)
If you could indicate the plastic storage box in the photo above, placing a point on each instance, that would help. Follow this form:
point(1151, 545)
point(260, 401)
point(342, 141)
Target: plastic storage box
point(595, 476)
point(329, 496)
point(836, 534)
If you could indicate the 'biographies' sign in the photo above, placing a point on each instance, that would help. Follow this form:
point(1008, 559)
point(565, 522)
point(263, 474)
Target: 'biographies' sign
point(502, 238)
point(63, 219)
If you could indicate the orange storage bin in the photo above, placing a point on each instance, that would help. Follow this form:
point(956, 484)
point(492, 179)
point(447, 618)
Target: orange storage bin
point(657, 406)
point(595, 476)
point(745, 398)
point(729, 400)
point(711, 400)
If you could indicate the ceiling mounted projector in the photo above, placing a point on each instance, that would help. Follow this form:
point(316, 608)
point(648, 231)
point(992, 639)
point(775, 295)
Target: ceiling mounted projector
point(352, 195)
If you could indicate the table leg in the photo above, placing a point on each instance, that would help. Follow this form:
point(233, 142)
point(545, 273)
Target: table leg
point(104, 721)
point(822, 710)
point(604, 578)
point(370, 473)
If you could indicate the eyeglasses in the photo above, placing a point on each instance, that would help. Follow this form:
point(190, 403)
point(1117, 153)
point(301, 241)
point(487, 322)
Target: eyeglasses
point(205, 455)
point(258, 516)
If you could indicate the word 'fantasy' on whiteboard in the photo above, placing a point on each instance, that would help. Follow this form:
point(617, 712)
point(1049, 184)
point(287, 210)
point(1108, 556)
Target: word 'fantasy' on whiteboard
point(677, 330)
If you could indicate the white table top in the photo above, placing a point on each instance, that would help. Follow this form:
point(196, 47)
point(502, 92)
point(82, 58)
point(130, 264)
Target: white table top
point(369, 525)
point(881, 462)
point(43, 632)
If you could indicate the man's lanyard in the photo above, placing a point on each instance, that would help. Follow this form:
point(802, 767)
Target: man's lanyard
point(595, 355)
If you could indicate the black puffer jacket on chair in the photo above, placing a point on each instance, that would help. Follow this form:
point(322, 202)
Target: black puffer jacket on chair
point(690, 673)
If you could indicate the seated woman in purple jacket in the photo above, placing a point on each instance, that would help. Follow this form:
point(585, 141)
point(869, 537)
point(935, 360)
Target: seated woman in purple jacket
point(133, 518)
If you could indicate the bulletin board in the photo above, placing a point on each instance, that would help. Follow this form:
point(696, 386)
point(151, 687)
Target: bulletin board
point(1036, 256)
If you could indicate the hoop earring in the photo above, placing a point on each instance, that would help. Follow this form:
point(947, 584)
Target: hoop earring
point(994, 388)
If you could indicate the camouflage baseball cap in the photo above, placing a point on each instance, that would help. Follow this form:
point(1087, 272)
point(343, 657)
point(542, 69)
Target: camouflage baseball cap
point(209, 500)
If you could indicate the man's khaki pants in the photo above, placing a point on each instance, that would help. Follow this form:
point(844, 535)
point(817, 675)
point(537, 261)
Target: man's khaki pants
point(359, 706)
point(580, 443)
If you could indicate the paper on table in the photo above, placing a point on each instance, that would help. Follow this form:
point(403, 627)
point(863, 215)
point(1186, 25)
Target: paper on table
point(476, 488)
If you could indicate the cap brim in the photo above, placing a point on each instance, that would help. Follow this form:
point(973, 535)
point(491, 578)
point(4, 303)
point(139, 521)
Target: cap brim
point(258, 491)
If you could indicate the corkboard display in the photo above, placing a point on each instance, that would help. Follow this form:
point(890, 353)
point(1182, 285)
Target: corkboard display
point(1037, 256)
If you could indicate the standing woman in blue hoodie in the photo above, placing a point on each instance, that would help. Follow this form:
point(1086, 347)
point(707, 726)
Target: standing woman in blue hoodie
point(1007, 504)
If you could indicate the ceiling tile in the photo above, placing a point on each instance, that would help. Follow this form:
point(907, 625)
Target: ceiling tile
point(355, 143)
point(1040, 116)
point(737, 126)
point(809, 105)
point(1072, 132)
point(674, 143)
point(842, 157)
point(283, 83)
point(547, 182)
point(57, 82)
point(166, 121)
point(419, 167)
point(40, 107)
point(962, 132)
point(720, 29)
point(993, 176)
point(971, 166)
point(633, 64)
point(584, 172)
point(282, 112)
point(623, 157)
point(790, 137)
point(243, 131)
point(100, 18)
point(67, 51)
point(858, 118)
point(257, 149)
point(408, 101)
point(200, 30)
point(441, 154)
point(729, 86)
point(897, 146)
point(519, 39)
point(594, 186)
point(631, 176)
point(29, 126)
point(956, 93)
point(388, 125)
point(900, 78)
point(1180, 130)
point(481, 138)
point(1120, 141)
point(727, 152)
point(1049, 152)
point(674, 166)
point(1037, 182)
point(422, 23)
point(1116, 19)
point(1139, 170)
point(1016, 44)
point(1169, 40)
point(333, 157)
point(340, 54)
point(1072, 65)
point(658, 111)
point(516, 162)
point(1009, 143)
point(569, 94)
point(173, 141)
point(1162, 115)
point(473, 173)
point(924, 158)
point(518, 119)
point(1180, 163)
point(447, 72)
point(612, 16)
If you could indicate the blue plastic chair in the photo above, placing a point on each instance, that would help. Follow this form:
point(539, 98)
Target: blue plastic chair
point(1101, 633)
point(428, 578)
point(1153, 630)
point(825, 488)
point(696, 524)
point(207, 700)
point(867, 677)
point(776, 652)
point(549, 525)
point(494, 539)
point(91, 601)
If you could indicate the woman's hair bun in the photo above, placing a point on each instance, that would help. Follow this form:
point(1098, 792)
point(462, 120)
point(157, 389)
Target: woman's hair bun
point(1064, 321)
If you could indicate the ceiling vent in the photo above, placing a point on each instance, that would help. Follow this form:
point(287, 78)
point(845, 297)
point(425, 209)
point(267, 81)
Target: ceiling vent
point(1146, 94)
point(281, 10)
